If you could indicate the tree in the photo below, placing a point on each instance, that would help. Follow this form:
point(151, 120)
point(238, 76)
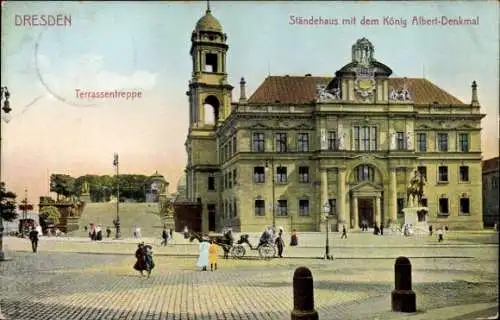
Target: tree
point(7, 204)
point(49, 213)
point(62, 184)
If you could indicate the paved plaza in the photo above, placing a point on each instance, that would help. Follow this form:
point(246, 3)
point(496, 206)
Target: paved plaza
point(66, 279)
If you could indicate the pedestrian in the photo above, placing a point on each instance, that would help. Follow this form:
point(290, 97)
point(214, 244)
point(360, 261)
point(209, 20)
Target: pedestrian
point(203, 256)
point(440, 235)
point(171, 233)
point(381, 228)
point(280, 243)
point(344, 233)
point(108, 232)
point(294, 241)
point(99, 233)
point(139, 255)
point(148, 259)
point(213, 253)
point(186, 232)
point(430, 230)
point(33, 235)
point(94, 233)
point(164, 236)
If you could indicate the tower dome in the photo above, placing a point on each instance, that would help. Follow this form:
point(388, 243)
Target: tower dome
point(208, 23)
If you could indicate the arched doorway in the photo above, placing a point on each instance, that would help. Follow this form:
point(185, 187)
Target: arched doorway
point(211, 107)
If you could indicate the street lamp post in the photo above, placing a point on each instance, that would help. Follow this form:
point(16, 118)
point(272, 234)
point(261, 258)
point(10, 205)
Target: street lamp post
point(326, 209)
point(5, 95)
point(117, 221)
point(273, 188)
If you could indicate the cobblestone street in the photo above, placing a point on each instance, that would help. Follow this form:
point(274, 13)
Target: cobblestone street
point(63, 285)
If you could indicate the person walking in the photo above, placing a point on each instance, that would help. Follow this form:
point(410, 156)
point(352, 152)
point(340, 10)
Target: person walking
point(280, 243)
point(430, 230)
point(381, 228)
point(440, 235)
point(108, 232)
point(213, 253)
point(164, 236)
point(148, 259)
point(203, 256)
point(171, 233)
point(140, 261)
point(344, 233)
point(33, 235)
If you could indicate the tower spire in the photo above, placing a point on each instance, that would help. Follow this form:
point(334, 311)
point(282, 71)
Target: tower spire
point(208, 6)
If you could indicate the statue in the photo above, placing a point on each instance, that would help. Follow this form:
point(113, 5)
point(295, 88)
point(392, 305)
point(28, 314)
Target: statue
point(322, 94)
point(85, 188)
point(341, 140)
point(393, 140)
point(415, 188)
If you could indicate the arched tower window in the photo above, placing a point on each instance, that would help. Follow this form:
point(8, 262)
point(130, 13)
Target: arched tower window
point(212, 109)
point(211, 63)
point(365, 172)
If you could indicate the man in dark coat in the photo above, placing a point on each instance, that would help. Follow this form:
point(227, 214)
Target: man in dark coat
point(344, 233)
point(164, 236)
point(34, 239)
point(280, 243)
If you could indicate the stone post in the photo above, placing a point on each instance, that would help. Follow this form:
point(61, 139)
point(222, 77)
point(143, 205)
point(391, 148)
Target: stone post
point(303, 295)
point(403, 299)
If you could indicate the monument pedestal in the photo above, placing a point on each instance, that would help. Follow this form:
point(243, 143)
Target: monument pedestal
point(417, 218)
point(85, 197)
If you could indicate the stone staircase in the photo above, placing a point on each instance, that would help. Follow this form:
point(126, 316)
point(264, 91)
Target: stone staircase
point(145, 215)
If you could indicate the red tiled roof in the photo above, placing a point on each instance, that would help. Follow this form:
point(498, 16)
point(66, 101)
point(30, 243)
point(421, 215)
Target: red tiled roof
point(302, 89)
point(490, 164)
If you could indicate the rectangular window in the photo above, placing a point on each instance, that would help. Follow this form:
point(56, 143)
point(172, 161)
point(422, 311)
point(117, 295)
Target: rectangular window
point(400, 205)
point(464, 206)
point(303, 207)
point(260, 207)
point(230, 180)
point(282, 208)
point(421, 142)
point(234, 177)
point(258, 142)
point(235, 208)
point(424, 202)
point(259, 175)
point(234, 144)
point(464, 174)
point(281, 142)
point(332, 140)
point(443, 174)
point(365, 138)
point(463, 142)
point(302, 142)
point(442, 142)
point(281, 175)
point(304, 174)
point(443, 206)
point(356, 138)
point(333, 207)
point(211, 181)
point(423, 171)
point(400, 141)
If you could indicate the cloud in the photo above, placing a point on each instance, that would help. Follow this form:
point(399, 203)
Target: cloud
point(88, 72)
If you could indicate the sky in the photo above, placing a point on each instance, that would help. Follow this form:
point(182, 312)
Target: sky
point(144, 47)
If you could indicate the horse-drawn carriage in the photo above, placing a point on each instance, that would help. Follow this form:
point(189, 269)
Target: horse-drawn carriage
point(226, 242)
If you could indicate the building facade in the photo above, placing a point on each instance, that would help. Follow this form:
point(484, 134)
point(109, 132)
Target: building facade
point(490, 192)
point(344, 146)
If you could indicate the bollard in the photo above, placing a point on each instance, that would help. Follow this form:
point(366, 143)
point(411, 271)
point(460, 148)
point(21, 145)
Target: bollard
point(303, 295)
point(403, 299)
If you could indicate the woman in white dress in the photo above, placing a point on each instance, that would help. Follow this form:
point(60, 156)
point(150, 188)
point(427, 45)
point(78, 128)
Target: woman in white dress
point(203, 257)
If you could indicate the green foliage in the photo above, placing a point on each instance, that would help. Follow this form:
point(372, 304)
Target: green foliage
point(62, 184)
point(7, 203)
point(101, 188)
point(50, 213)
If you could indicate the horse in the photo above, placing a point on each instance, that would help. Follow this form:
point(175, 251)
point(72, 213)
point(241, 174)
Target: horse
point(225, 241)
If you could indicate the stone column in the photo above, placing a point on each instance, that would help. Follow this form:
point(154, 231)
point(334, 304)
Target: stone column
point(341, 198)
point(355, 212)
point(378, 212)
point(393, 196)
point(324, 197)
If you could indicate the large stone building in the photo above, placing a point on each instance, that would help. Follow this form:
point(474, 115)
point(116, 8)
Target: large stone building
point(350, 140)
point(490, 192)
